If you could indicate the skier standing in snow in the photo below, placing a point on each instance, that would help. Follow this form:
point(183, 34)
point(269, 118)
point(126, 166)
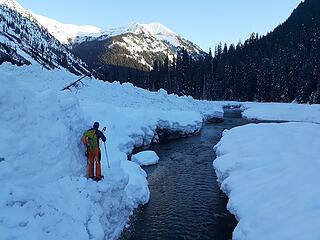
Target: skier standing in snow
point(91, 139)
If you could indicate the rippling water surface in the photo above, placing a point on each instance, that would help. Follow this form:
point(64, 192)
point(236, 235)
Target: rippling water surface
point(186, 202)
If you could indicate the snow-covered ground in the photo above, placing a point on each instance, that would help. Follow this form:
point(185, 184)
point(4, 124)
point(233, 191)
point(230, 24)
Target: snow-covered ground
point(145, 158)
point(282, 111)
point(44, 193)
point(270, 173)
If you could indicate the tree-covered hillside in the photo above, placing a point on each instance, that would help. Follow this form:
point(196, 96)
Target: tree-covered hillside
point(282, 66)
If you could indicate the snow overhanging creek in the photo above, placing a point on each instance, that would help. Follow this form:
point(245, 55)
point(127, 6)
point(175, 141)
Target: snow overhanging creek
point(165, 131)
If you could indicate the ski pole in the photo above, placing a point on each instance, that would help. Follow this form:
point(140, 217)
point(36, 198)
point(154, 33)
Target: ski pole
point(105, 149)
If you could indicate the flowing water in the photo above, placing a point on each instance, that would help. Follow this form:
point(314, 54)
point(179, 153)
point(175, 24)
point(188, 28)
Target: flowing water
point(186, 201)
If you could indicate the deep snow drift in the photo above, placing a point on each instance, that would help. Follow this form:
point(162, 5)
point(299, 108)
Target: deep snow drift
point(145, 158)
point(44, 192)
point(270, 173)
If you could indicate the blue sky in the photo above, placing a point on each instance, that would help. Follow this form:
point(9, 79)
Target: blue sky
point(205, 22)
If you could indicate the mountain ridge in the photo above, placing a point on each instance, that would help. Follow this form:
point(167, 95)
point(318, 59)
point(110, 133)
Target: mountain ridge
point(76, 34)
point(152, 41)
point(66, 33)
point(24, 41)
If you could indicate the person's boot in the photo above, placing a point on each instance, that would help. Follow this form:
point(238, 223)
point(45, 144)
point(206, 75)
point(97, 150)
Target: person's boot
point(98, 178)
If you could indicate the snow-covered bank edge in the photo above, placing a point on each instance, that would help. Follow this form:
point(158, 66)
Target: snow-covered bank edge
point(165, 131)
point(271, 185)
point(288, 112)
point(258, 171)
point(291, 112)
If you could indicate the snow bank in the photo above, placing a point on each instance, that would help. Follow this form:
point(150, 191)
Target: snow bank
point(145, 158)
point(45, 194)
point(282, 111)
point(271, 174)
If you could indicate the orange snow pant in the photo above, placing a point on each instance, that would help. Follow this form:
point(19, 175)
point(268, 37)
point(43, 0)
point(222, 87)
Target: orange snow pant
point(94, 156)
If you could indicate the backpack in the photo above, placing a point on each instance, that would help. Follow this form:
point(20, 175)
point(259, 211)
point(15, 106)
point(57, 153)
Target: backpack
point(92, 139)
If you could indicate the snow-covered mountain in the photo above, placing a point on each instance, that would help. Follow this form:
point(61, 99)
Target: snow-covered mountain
point(161, 33)
point(67, 33)
point(24, 41)
point(134, 45)
point(74, 34)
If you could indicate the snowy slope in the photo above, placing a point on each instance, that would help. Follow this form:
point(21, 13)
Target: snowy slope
point(163, 33)
point(159, 30)
point(271, 178)
point(67, 33)
point(24, 41)
point(44, 192)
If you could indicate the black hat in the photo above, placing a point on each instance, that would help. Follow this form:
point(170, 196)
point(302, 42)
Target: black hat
point(96, 125)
